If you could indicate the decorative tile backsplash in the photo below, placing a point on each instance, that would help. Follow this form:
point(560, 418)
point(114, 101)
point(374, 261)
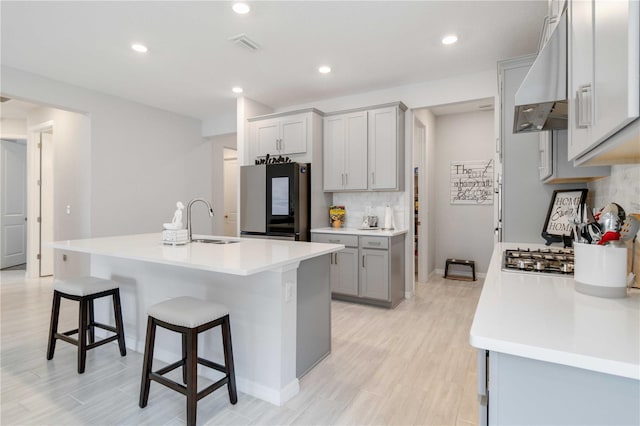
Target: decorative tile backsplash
point(356, 204)
point(622, 187)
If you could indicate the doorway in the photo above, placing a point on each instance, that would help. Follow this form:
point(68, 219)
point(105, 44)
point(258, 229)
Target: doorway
point(13, 203)
point(230, 192)
point(40, 187)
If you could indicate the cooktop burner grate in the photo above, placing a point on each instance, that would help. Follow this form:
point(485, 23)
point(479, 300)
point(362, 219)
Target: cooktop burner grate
point(541, 261)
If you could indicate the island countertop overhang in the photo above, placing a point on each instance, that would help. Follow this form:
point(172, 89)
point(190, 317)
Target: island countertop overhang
point(247, 257)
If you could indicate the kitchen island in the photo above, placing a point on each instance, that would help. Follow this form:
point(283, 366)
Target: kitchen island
point(550, 355)
point(277, 293)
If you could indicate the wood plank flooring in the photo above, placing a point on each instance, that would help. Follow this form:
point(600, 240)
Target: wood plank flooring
point(409, 366)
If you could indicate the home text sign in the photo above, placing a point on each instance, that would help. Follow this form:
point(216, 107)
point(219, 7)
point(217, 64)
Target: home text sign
point(472, 182)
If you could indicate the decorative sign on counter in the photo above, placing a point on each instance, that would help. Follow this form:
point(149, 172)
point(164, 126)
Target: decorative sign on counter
point(472, 182)
point(564, 203)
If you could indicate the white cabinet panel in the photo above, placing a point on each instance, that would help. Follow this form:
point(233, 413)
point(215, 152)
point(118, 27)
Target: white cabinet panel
point(355, 151)
point(374, 274)
point(604, 76)
point(334, 152)
point(293, 135)
point(267, 134)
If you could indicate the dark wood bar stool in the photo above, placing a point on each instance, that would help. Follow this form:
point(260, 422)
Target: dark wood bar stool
point(85, 290)
point(189, 317)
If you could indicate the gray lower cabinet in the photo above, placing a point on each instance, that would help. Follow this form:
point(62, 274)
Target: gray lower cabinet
point(516, 391)
point(369, 270)
point(344, 272)
point(374, 274)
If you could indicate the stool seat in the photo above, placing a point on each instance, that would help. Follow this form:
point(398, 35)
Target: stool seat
point(84, 286)
point(187, 311)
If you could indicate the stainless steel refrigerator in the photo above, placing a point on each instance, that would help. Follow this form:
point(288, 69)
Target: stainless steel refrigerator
point(275, 202)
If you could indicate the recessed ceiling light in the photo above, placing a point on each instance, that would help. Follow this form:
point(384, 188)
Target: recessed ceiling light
point(324, 69)
point(139, 47)
point(241, 8)
point(450, 39)
point(237, 90)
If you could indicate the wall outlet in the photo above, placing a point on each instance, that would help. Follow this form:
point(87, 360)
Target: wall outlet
point(288, 291)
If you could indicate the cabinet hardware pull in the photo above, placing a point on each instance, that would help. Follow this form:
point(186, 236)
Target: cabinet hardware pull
point(373, 178)
point(583, 110)
point(363, 260)
point(336, 258)
point(346, 178)
point(334, 241)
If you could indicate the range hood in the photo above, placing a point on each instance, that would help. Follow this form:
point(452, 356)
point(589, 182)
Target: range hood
point(541, 100)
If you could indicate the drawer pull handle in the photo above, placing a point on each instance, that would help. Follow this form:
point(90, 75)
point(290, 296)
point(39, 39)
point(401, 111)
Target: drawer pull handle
point(334, 241)
point(374, 243)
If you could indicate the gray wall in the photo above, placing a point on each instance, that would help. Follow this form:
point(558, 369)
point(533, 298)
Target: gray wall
point(138, 160)
point(462, 231)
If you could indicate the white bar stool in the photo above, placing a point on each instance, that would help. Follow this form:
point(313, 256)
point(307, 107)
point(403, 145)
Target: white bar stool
point(85, 290)
point(188, 316)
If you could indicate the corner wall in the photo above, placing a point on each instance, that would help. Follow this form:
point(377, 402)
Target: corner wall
point(464, 231)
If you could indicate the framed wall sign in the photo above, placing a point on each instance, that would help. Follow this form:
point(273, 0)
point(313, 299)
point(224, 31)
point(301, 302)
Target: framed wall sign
point(564, 203)
point(471, 182)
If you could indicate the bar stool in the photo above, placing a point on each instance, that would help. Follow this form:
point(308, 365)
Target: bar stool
point(188, 316)
point(85, 290)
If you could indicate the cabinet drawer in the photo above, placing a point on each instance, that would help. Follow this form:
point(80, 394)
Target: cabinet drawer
point(374, 242)
point(346, 240)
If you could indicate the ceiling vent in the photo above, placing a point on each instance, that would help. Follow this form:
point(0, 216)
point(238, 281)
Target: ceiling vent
point(3, 99)
point(243, 40)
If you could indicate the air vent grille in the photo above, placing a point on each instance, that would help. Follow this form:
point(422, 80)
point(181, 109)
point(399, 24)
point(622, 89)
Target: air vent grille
point(243, 40)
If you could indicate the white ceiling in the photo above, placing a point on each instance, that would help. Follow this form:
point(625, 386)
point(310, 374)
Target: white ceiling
point(191, 65)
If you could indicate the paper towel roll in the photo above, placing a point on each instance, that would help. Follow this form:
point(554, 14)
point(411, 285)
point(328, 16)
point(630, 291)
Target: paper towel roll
point(388, 218)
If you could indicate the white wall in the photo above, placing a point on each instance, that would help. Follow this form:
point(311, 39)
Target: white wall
point(71, 170)
point(221, 124)
point(142, 159)
point(11, 127)
point(463, 231)
point(218, 144)
point(427, 192)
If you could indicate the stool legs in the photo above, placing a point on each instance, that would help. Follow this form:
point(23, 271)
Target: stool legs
point(228, 360)
point(189, 363)
point(86, 325)
point(117, 311)
point(53, 327)
point(147, 363)
point(192, 376)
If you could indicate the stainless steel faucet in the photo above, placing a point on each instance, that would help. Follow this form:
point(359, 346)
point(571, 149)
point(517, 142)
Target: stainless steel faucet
point(189, 213)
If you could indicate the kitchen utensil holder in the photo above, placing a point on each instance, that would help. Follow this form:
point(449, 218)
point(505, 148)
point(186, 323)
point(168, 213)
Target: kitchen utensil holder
point(600, 270)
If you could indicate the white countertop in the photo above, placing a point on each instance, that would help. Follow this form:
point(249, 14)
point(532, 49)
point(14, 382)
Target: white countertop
point(542, 317)
point(357, 231)
point(249, 256)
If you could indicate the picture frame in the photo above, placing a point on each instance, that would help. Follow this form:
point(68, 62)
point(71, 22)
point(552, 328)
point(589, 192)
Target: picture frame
point(557, 228)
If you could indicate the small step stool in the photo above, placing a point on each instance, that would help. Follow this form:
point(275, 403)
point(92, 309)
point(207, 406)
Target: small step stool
point(462, 262)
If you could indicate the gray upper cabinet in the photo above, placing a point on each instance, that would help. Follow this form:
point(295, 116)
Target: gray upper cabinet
point(345, 147)
point(603, 81)
point(281, 134)
point(364, 149)
point(554, 166)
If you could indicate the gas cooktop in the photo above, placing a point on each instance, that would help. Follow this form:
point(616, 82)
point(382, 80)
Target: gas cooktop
point(539, 261)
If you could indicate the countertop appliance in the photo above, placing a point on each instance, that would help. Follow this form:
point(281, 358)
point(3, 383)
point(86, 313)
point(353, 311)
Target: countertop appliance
point(275, 202)
point(539, 261)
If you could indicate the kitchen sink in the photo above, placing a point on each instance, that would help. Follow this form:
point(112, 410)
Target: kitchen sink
point(212, 241)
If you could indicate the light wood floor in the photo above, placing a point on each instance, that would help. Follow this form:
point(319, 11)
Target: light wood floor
point(411, 365)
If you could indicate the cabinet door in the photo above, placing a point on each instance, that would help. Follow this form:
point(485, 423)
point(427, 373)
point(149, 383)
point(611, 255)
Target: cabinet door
point(267, 135)
point(374, 274)
point(356, 151)
point(333, 150)
point(344, 272)
point(616, 61)
point(293, 135)
point(382, 149)
point(580, 77)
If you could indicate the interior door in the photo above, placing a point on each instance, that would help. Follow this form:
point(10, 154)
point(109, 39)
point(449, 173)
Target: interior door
point(46, 203)
point(13, 204)
point(230, 196)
